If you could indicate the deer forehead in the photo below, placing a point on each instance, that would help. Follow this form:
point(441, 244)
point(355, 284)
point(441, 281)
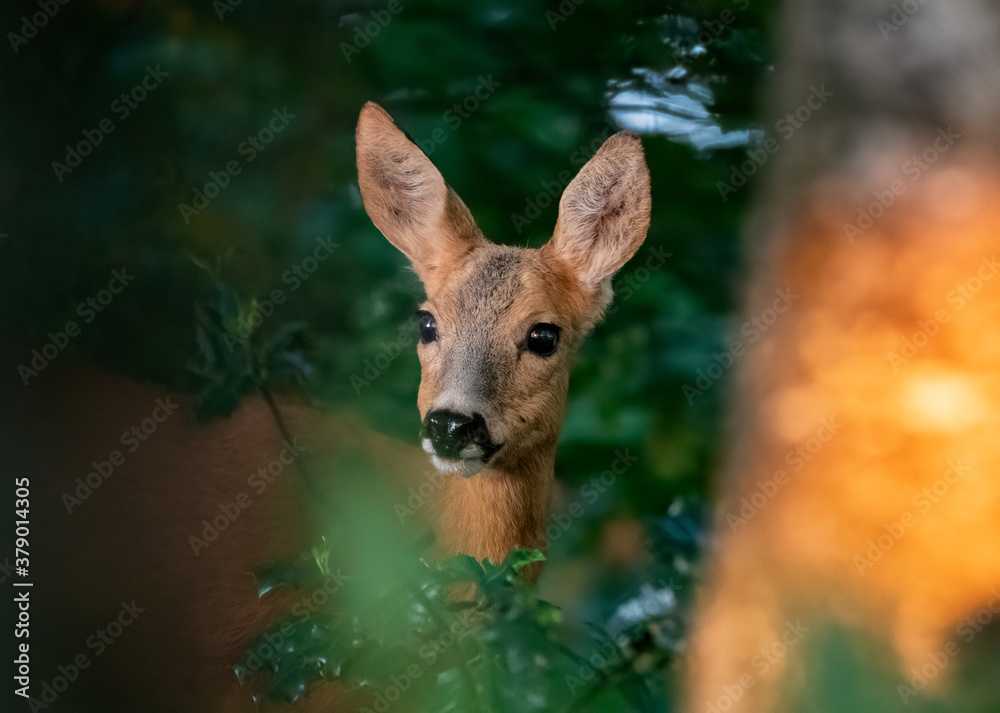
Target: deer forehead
point(498, 289)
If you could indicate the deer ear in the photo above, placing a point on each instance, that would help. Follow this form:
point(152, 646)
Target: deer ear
point(604, 212)
point(406, 197)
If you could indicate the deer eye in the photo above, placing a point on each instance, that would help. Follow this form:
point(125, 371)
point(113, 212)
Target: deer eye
point(426, 326)
point(543, 339)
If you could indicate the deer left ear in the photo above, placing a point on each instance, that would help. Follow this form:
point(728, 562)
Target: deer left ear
point(407, 198)
point(604, 212)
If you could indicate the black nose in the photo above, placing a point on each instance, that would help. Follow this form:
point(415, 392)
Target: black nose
point(451, 432)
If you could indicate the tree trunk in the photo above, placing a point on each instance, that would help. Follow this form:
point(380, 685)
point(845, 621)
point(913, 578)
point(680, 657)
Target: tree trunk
point(862, 493)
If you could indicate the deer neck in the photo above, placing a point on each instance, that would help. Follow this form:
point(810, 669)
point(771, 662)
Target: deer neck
point(501, 508)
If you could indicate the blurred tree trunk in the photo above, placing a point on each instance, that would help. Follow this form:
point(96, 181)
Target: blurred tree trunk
point(862, 492)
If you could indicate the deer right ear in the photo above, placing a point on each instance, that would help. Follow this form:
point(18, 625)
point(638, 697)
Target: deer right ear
point(604, 212)
point(407, 199)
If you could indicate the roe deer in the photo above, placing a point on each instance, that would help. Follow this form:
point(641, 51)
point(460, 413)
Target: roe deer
point(500, 325)
point(498, 332)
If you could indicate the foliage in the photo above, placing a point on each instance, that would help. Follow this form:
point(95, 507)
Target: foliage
point(464, 635)
point(123, 205)
point(157, 189)
point(476, 636)
point(234, 356)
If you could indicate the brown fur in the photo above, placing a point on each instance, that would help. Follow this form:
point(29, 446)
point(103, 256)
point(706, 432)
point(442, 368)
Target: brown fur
point(485, 299)
point(129, 540)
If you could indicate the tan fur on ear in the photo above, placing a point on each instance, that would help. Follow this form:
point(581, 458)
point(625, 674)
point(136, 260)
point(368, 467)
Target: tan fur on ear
point(604, 212)
point(406, 197)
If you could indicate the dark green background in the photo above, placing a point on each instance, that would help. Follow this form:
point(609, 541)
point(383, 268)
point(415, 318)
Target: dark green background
point(119, 208)
point(228, 68)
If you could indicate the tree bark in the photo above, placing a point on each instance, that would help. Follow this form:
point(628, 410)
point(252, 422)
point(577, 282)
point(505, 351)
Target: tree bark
point(861, 491)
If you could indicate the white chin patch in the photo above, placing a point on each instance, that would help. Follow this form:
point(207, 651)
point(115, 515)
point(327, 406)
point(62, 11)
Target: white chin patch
point(469, 463)
point(465, 468)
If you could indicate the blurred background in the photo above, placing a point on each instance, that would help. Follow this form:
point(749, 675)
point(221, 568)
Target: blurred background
point(508, 98)
point(538, 89)
point(206, 148)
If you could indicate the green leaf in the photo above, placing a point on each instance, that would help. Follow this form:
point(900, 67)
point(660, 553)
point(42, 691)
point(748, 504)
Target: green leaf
point(297, 575)
point(464, 568)
point(519, 559)
point(289, 683)
point(234, 358)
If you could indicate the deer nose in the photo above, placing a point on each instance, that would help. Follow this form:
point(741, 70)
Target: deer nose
point(451, 432)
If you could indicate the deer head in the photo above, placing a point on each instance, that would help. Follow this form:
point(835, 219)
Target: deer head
point(500, 325)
